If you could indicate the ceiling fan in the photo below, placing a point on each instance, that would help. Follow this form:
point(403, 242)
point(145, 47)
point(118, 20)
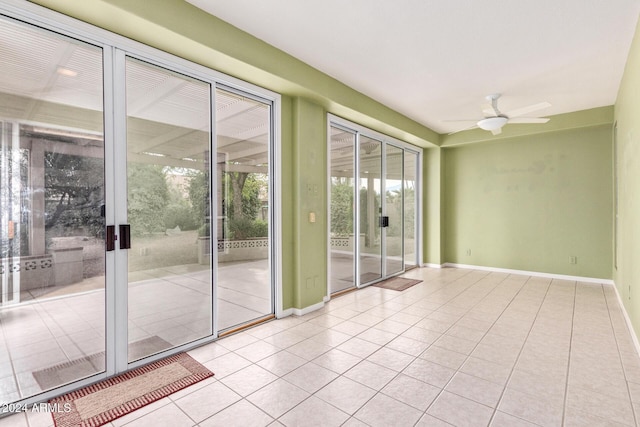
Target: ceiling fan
point(494, 119)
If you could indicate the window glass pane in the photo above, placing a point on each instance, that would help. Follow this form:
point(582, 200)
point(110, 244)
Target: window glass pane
point(370, 209)
point(243, 136)
point(52, 270)
point(393, 210)
point(168, 140)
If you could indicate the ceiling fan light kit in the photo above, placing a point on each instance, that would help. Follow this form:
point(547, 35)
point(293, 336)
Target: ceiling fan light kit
point(492, 123)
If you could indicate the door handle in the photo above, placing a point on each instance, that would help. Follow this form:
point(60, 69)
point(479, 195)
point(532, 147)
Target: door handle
point(383, 221)
point(125, 236)
point(111, 238)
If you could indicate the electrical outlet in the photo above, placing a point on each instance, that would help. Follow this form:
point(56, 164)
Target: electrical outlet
point(573, 259)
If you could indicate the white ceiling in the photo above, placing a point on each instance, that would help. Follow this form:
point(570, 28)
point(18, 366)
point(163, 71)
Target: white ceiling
point(437, 60)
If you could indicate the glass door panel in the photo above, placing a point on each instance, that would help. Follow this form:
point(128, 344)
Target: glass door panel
point(168, 140)
point(370, 158)
point(342, 188)
point(410, 209)
point(393, 210)
point(52, 189)
point(243, 136)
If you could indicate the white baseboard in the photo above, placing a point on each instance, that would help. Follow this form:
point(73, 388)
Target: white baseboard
point(532, 273)
point(431, 265)
point(627, 319)
point(285, 313)
point(308, 309)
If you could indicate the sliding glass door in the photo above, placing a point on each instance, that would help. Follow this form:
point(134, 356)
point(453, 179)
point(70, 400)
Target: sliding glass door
point(198, 224)
point(52, 218)
point(168, 143)
point(136, 207)
point(243, 139)
point(373, 207)
point(394, 210)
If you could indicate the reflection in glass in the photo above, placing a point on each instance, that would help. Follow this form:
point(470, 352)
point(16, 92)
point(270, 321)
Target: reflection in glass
point(168, 139)
point(342, 233)
point(52, 266)
point(243, 136)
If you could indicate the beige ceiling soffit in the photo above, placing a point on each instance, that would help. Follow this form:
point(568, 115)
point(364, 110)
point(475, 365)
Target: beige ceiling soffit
point(578, 119)
point(418, 134)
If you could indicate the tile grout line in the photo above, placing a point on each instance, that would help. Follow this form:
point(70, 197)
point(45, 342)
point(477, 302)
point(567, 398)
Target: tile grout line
point(615, 336)
point(566, 382)
point(521, 348)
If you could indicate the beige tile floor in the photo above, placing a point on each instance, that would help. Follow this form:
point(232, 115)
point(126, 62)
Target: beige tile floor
point(465, 348)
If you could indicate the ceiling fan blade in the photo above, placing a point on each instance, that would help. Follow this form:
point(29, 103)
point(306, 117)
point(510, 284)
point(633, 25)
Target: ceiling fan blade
point(497, 131)
point(529, 120)
point(526, 110)
point(475, 125)
point(459, 121)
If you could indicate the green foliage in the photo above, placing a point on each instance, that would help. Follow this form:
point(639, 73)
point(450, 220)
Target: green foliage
point(409, 211)
point(198, 190)
point(74, 194)
point(260, 228)
point(204, 230)
point(148, 196)
point(180, 215)
point(245, 228)
point(341, 208)
point(251, 184)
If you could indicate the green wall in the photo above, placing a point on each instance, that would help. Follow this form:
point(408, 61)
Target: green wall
point(286, 189)
point(627, 113)
point(432, 206)
point(529, 203)
point(310, 197)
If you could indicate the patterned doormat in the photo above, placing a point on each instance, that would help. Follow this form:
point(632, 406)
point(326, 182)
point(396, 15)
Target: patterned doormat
point(397, 283)
point(112, 398)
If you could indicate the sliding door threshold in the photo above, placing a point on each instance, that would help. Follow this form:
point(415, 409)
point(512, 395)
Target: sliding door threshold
point(236, 329)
